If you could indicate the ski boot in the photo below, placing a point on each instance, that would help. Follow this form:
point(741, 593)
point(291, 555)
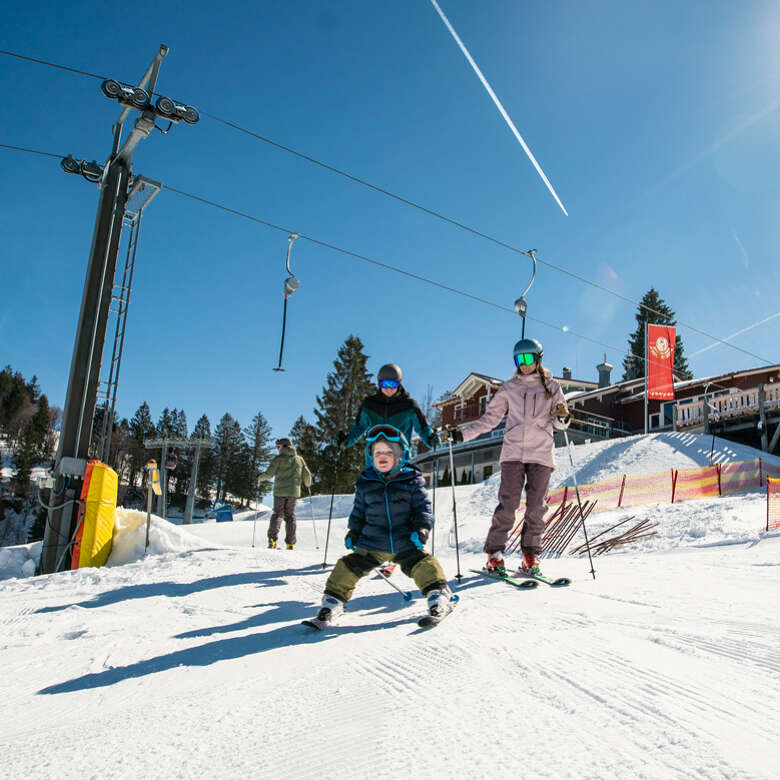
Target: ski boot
point(272, 544)
point(330, 609)
point(440, 602)
point(495, 563)
point(530, 564)
point(290, 546)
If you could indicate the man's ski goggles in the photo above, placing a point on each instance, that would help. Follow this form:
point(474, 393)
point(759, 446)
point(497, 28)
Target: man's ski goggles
point(391, 383)
point(525, 359)
point(386, 432)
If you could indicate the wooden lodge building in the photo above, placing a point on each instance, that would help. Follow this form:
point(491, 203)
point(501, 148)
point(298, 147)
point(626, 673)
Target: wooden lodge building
point(743, 406)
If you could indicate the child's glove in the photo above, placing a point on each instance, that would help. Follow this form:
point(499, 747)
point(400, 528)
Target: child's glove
point(420, 537)
point(561, 411)
point(435, 440)
point(350, 540)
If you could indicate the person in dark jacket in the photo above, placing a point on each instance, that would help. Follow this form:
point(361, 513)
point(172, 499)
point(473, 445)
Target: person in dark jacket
point(393, 406)
point(288, 471)
point(390, 521)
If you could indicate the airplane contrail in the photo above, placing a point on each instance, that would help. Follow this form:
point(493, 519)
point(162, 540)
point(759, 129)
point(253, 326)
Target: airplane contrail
point(738, 333)
point(501, 109)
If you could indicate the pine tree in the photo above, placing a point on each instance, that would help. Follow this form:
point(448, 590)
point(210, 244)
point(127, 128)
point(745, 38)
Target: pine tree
point(661, 314)
point(227, 441)
point(41, 424)
point(206, 466)
point(24, 459)
point(141, 427)
point(304, 437)
point(165, 424)
point(258, 436)
point(345, 388)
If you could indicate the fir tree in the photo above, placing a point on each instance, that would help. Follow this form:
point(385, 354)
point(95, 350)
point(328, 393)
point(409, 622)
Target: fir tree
point(165, 425)
point(141, 428)
point(227, 440)
point(304, 437)
point(345, 388)
point(652, 309)
point(258, 436)
point(206, 466)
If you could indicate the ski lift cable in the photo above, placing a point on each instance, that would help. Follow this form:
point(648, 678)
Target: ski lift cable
point(419, 207)
point(425, 279)
point(403, 272)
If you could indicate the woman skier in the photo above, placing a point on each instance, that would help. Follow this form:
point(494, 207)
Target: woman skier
point(392, 405)
point(390, 521)
point(534, 404)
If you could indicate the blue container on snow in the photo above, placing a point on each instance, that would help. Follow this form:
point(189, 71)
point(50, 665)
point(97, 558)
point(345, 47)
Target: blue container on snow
point(224, 513)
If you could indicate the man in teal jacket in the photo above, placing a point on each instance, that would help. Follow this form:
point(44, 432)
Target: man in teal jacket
point(392, 405)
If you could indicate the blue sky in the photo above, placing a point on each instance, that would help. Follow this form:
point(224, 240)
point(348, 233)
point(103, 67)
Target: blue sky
point(657, 124)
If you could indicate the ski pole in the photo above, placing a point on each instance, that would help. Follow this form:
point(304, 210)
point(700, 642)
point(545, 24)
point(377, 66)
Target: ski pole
point(314, 527)
point(254, 522)
point(386, 577)
point(579, 503)
point(434, 481)
point(330, 511)
point(458, 576)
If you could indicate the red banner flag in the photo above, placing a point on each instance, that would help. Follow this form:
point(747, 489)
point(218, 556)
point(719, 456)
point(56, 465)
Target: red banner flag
point(660, 361)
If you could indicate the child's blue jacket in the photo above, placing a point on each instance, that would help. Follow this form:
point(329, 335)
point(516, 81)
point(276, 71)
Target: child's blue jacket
point(388, 511)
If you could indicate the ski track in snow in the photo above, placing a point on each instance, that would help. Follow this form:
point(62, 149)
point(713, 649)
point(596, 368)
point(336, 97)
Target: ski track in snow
point(191, 662)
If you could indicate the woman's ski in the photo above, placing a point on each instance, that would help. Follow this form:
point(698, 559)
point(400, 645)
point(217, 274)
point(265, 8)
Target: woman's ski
point(524, 584)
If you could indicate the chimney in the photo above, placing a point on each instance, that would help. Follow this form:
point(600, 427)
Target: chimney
point(566, 372)
point(604, 370)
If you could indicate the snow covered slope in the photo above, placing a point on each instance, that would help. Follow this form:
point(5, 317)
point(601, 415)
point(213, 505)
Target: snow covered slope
point(191, 661)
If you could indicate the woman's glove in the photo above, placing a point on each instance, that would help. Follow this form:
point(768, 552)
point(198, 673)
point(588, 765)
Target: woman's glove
point(453, 434)
point(561, 411)
point(351, 539)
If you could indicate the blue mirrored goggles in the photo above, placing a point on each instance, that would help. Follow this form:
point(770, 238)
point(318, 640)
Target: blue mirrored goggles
point(525, 359)
point(383, 432)
point(392, 383)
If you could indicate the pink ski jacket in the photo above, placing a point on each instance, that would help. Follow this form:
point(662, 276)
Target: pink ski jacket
point(528, 436)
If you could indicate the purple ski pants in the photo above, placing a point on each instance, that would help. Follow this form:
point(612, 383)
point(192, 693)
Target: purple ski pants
point(515, 475)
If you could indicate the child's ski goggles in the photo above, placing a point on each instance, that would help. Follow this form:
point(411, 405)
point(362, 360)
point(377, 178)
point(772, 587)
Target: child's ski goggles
point(392, 383)
point(525, 359)
point(387, 432)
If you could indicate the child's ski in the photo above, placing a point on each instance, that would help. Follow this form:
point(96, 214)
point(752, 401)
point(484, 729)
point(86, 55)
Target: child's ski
point(524, 584)
point(315, 623)
point(429, 621)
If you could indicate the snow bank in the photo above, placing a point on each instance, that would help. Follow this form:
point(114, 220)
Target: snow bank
point(130, 537)
point(19, 561)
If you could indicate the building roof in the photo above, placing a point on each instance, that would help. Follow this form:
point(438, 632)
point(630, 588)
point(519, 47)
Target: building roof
point(628, 385)
point(473, 378)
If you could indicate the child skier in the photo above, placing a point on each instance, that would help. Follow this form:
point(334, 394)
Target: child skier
point(390, 521)
point(393, 406)
point(534, 404)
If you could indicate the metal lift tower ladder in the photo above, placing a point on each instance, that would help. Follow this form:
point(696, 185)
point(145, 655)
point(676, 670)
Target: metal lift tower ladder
point(141, 194)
